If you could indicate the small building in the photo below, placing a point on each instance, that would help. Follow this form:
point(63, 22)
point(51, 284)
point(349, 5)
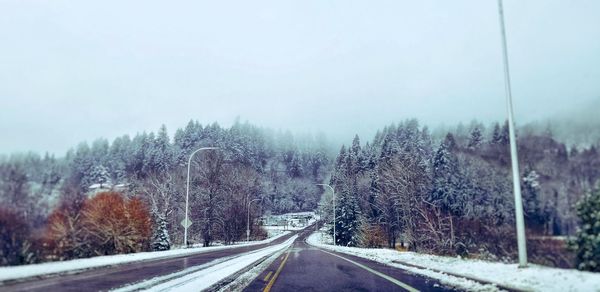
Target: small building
point(106, 187)
point(99, 188)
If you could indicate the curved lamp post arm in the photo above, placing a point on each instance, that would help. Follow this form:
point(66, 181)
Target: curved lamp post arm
point(333, 192)
point(187, 192)
point(248, 222)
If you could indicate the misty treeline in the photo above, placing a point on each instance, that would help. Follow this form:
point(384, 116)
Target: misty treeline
point(453, 194)
point(53, 203)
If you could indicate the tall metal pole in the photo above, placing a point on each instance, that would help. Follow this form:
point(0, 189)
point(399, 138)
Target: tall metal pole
point(333, 192)
point(187, 193)
point(248, 225)
point(513, 149)
point(316, 221)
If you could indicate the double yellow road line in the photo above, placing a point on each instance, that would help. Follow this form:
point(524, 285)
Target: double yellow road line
point(382, 275)
point(270, 285)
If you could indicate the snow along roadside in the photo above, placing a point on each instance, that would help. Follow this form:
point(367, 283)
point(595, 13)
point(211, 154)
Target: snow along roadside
point(532, 278)
point(245, 278)
point(78, 265)
point(207, 275)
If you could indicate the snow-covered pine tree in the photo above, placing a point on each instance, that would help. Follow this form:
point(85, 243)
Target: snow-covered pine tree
point(531, 200)
point(338, 167)
point(504, 134)
point(147, 154)
point(475, 139)
point(51, 171)
point(185, 141)
point(100, 175)
point(81, 166)
point(317, 161)
point(118, 156)
point(158, 153)
point(446, 177)
point(160, 238)
point(390, 146)
point(426, 144)
point(99, 151)
point(369, 157)
point(496, 135)
point(587, 241)
point(347, 218)
point(356, 157)
point(135, 160)
point(162, 152)
point(295, 167)
point(410, 138)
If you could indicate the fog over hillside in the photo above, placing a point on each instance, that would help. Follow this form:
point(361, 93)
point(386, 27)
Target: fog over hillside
point(575, 126)
point(76, 71)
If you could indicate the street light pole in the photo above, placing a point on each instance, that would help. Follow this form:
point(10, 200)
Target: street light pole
point(317, 221)
point(513, 149)
point(333, 192)
point(187, 193)
point(248, 225)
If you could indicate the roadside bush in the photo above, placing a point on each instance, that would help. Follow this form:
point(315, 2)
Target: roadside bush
point(550, 251)
point(587, 241)
point(488, 241)
point(106, 224)
point(16, 245)
point(115, 225)
point(372, 236)
point(258, 232)
point(65, 237)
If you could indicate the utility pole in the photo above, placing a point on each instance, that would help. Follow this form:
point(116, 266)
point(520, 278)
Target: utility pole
point(513, 149)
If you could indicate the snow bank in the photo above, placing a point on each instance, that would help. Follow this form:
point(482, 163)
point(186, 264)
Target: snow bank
point(207, 275)
point(532, 278)
point(72, 266)
point(246, 278)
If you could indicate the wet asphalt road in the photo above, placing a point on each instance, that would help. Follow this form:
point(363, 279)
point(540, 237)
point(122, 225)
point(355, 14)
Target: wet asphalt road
point(102, 279)
point(306, 268)
point(301, 268)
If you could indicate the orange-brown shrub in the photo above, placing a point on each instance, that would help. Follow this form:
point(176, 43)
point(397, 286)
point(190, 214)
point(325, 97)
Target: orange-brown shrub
point(116, 225)
point(65, 237)
point(372, 236)
point(106, 224)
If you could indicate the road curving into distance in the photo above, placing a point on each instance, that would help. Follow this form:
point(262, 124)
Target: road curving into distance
point(307, 268)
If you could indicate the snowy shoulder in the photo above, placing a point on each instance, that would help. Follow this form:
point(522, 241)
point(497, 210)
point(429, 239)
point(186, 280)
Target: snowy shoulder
point(532, 278)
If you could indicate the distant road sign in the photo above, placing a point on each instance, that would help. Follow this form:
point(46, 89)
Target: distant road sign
point(186, 222)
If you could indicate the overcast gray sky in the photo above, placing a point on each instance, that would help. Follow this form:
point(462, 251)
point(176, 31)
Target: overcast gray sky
point(75, 70)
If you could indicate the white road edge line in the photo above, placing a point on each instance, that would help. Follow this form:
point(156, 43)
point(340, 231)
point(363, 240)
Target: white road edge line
point(395, 281)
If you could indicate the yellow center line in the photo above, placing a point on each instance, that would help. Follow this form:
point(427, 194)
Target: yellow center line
point(268, 276)
point(393, 280)
point(270, 285)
